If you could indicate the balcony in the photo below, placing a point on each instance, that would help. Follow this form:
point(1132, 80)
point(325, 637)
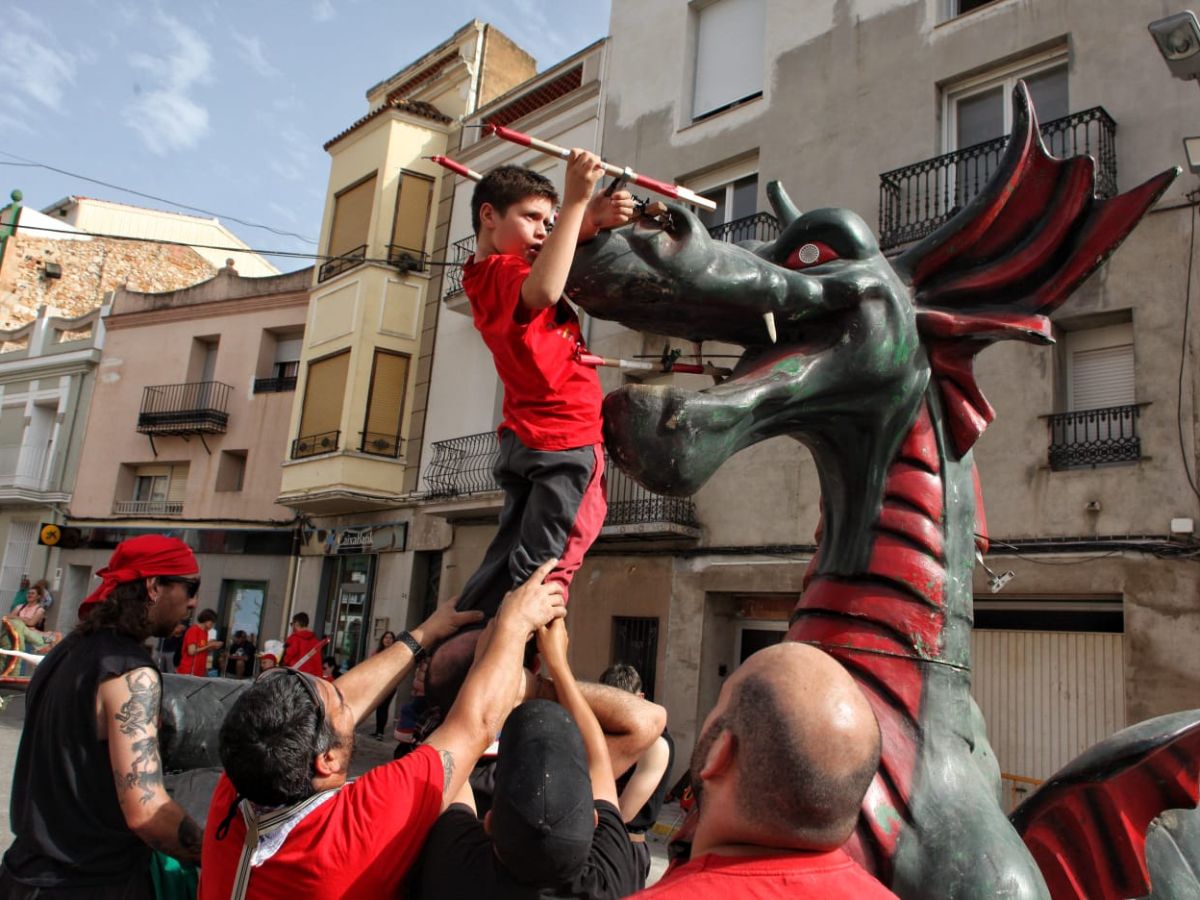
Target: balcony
point(406, 259)
point(1095, 437)
point(26, 469)
point(275, 385)
point(315, 444)
point(463, 467)
point(462, 252)
point(915, 200)
point(376, 444)
point(758, 227)
point(148, 508)
point(343, 263)
point(197, 407)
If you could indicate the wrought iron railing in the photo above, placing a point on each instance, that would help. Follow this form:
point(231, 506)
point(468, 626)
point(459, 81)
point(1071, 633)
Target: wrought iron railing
point(407, 259)
point(378, 444)
point(313, 444)
point(758, 227)
point(464, 466)
point(343, 263)
point(462, 252)
point(275, 385)
point(916, 199)
point(148, 507)
point(196, 406)
point(1093, 437)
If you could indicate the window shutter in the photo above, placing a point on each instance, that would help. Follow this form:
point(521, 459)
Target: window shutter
point(288, 351)
point(413, 196)
point(729, 54)
point(177, 489)
point(152, 471)
point(1102, 377)
point(389, 379)
point(324, 393)
point(352, 217)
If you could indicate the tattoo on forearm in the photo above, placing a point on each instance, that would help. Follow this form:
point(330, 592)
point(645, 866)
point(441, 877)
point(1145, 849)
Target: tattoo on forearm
point(447, 769)
point(145, 772)
point(141, 709)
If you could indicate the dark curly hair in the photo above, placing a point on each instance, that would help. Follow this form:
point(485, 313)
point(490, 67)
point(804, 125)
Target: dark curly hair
point(126, 610)
point(506, 185)
point(623, 676)
point(269, 741)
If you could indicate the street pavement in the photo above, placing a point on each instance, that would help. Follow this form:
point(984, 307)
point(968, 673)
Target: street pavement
point(368, 754)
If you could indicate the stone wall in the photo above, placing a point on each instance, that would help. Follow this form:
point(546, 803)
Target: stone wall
point(90, 269)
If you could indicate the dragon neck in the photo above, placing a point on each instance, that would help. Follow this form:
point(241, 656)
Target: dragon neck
point(897, 541)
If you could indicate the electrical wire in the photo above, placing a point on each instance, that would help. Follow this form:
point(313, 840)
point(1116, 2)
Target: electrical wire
point(30, 164)
point(293, 254)
point(1183, 346)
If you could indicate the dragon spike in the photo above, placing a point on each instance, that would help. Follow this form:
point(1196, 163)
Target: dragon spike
point(787, 211)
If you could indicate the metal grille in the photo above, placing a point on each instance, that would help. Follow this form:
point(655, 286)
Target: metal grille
point(148, 507)
point(462, 252)
point(635, 643)
point(274, 385)
point(312, 444)
point(915, 200)
point(21, 537)
point(758, 227)
point(1093, 437)
point(197, 406)
point(631, 504)
point(407, 259)
point(377, 444)
point(343, 263)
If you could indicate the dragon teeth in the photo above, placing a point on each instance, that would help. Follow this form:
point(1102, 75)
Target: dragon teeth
point(769, 319)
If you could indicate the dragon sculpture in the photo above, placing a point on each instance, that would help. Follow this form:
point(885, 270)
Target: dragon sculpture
point(868, 361)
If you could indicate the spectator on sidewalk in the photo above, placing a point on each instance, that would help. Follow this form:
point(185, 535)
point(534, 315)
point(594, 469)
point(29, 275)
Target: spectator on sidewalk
point(196, 645)
point(302, 649)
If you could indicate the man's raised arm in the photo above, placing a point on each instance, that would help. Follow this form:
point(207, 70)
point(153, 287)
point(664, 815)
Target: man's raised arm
point(129, 706)
point(496, 680)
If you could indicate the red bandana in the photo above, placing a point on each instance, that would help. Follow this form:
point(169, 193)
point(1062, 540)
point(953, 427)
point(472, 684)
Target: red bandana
point(141, 557)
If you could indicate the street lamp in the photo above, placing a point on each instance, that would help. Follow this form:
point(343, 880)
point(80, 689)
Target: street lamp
point(1178, 39)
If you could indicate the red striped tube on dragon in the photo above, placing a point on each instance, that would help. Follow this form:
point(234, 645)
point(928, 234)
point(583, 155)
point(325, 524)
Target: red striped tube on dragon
point(869, 363)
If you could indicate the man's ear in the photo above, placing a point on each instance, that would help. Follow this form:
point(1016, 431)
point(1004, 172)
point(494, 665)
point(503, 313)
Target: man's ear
point(720, 756)
point(153, 588)
point(326, 763)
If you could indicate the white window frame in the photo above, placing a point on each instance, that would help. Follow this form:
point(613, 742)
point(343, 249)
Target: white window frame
point(724, 176)
point(1005, 77)
point(697, 8)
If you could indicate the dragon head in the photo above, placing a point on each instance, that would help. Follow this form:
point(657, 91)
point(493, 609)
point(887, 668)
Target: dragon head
point(840, 341)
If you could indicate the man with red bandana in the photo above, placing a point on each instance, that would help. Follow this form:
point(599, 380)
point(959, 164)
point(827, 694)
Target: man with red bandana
point(88, 802)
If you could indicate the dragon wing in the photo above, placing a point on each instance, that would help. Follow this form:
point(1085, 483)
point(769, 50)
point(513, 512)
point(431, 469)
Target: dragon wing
point(1086, 826)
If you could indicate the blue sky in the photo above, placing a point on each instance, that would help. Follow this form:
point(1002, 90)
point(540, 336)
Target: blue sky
point(221, 104)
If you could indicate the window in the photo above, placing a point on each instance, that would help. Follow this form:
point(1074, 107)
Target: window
point(635, 643)
point(980, 110)
point(352, 218)
point(958, 7)
point(278, 362)
point(202, 363)
point(729, 54)
point(734, 188)
point(231, 471)
point(287, 358)
point(385, 404)
point(321, 416)
point(414, 196)
point(158, 490)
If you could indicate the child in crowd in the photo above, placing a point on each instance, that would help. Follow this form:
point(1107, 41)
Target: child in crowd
point(551, 463)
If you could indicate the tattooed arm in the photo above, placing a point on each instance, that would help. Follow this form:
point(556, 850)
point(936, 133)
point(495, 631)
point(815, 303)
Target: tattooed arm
point(129, 706)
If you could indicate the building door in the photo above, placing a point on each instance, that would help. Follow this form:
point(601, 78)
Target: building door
point(635, 643)
point(347, 613)
point(753, 635)
point(21, 536)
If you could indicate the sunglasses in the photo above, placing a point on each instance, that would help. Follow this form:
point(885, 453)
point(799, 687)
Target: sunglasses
point(193, 584)
point(309, 687)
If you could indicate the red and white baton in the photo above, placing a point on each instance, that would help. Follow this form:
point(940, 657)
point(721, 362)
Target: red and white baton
point(447, 163)
point(646, 365)
point(674, 191)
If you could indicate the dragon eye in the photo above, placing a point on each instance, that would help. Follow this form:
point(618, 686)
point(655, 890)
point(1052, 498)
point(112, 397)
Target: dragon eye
point(813, 253)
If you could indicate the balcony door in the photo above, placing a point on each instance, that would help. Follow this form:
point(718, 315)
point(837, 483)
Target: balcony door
point(1100, 424)
point(980, 110)
point(346, 607)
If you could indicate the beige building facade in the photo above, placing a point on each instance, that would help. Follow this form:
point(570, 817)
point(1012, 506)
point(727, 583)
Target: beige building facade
point(187, 429)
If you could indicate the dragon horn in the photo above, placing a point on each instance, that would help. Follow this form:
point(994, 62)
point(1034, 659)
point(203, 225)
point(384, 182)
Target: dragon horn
point(782, 203)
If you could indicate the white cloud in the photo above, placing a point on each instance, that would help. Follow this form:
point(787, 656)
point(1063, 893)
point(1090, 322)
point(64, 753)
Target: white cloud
point(37, 67)
point(251, 51)
point(323, 10)
point(164, 115)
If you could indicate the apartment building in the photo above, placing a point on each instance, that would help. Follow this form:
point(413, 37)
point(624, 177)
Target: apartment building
point(356, 426)
point(47, 375)
point(898, 109)
point(187, 429)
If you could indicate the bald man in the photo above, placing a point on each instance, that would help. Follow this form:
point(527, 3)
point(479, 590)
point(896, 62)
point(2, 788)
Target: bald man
point(779, 771)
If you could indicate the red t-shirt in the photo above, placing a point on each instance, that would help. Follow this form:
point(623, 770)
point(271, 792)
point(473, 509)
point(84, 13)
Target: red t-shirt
point(298, 643)
point(194, 665)
point(829, 876)
point(359, 843)
point(551, 402)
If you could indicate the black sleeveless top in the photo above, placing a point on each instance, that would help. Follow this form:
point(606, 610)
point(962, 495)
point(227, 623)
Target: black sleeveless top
point(65, 815)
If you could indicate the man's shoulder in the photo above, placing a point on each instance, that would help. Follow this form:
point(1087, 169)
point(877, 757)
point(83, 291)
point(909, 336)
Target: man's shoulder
point(835, 874)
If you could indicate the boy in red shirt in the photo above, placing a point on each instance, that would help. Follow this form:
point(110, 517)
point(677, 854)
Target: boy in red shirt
point(194, 659)
point(551, 463)
point(303, 644)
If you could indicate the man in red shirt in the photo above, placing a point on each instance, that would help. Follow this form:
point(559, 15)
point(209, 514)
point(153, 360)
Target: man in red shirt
point(551, 464)
point(302, 643)
point(194, 658)
point(782, 764)
point(284, 821)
